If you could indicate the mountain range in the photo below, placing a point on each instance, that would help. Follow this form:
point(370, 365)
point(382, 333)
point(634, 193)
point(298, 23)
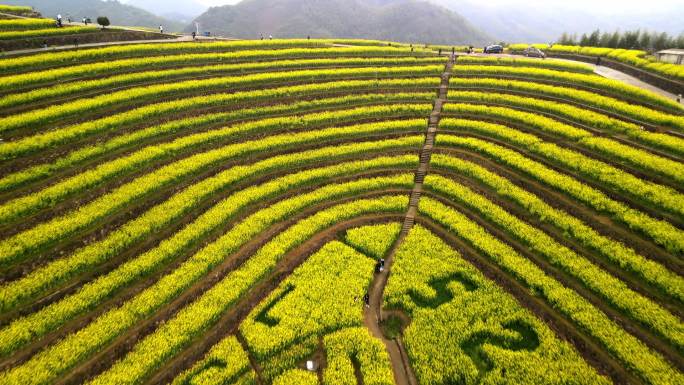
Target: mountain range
point(545, 21)
point(118, 13)
point(401, 20)
point(437, 21)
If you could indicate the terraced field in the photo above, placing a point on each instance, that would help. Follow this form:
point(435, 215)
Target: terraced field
point(214, 213)
point(28, 28)
point(22, 28)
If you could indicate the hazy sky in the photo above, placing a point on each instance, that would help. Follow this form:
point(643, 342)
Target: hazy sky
point(217, 2)
point(603, 5)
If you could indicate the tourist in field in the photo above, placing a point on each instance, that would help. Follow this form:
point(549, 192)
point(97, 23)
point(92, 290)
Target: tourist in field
point(366, 299)
point(270, 37)
point(380, 266)
point(194, 34)
point(76, 42)
point(161, 29)
point(59, 20)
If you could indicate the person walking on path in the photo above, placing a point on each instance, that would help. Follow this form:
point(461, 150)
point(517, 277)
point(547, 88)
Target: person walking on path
point(270, 37)
point(194, 34)
point(59, 20)
point(161, 29)
point(366, 299)
point(76, 42)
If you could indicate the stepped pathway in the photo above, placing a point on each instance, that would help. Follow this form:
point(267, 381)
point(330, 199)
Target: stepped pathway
point(403, 374)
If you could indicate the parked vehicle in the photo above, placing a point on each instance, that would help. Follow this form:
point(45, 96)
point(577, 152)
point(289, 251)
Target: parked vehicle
point(534, 52)
point(493, 49)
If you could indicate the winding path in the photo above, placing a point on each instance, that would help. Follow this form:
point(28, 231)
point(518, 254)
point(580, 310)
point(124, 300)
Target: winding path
point(610, 73)
point(403, 374)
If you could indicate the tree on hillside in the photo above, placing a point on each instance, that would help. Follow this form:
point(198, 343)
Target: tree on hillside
point(637, 39)
point(629, 40)
point(660, 41)
point(645, 40)
point(594, 38)
point(567, 39)
point(614, 40)
point(584, 40)
point(103, 21)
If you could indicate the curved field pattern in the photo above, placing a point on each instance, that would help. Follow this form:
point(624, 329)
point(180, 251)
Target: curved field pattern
point(335, 212)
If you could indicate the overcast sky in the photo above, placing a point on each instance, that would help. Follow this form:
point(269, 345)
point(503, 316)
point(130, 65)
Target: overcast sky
point(588, 5)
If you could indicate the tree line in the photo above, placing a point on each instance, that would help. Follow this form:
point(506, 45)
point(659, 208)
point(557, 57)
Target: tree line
point(637, 39)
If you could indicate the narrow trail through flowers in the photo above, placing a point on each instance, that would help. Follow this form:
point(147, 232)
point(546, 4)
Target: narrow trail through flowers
point(374, 314)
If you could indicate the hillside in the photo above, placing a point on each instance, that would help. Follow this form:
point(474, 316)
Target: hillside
point(118, 13)
point(546, 21)
point(399, 20)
